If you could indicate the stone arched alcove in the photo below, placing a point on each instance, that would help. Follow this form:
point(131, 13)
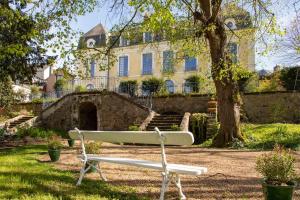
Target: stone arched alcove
point(87, 115)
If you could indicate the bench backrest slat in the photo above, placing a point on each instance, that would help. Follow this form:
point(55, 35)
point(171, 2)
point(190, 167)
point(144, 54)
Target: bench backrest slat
point(136, 137)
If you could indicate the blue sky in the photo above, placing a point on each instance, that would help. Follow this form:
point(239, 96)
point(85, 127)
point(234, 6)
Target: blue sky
point(284, 16)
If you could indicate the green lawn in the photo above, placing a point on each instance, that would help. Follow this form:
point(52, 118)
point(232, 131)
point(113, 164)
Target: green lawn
point(22, 176)
point(264, 136)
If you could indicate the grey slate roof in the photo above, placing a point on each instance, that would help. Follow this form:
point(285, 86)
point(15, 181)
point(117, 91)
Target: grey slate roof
point(97, 30)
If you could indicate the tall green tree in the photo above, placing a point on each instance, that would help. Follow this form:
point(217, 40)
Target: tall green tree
point(21, 51)
point(202, 23)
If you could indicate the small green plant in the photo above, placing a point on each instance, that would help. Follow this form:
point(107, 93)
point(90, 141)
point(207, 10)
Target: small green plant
point(152, 85)
point(175, 127)
point(194, 82)
point(59, 84)
point(198, 127)
point(133, 128)
point(277, 167)
point(237, 144)
point(54, 143)
point(93, 148)
point(80, 88)
point(128, 87)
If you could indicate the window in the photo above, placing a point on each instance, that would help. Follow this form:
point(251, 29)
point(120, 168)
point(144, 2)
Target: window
point(168, 61)
point(91, 43)
point(233, 48)
point(170, 86)
point(124, 41)
point(147, 63)
point(188, 87)
point(92, 69)
point(123, 66)
point(90, 87)
point(190, 63)
point(148, 37)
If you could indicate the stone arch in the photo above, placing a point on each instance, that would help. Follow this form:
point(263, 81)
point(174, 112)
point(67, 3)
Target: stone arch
point(88, 119)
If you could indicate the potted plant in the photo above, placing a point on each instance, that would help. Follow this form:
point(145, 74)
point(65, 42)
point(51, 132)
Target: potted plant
point(59, 86)
point(92, 148)
point(71, 142)
point(278, 171)
point(54, 147)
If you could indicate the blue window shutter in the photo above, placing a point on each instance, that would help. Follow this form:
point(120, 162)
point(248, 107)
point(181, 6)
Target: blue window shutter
point(92, 69)
point(126, 66)
point(167, 60)
point(147, 63)
point(190, 63)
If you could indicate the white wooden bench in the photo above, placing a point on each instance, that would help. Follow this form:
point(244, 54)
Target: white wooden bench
point(170, 172)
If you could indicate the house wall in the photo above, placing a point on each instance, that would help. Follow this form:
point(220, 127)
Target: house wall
point(246, 57)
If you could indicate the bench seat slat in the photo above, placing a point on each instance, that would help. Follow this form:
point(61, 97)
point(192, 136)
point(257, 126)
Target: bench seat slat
point(136, 137)
point(176, 168)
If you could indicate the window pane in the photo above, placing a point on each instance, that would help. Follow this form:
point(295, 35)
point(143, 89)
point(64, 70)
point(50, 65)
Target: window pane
point(147, 63)
point(232, 48)
point(123, 66)
point(170, 86)
point(190, 63)
point(167, 61)
point(92, 69)
point(148, 37)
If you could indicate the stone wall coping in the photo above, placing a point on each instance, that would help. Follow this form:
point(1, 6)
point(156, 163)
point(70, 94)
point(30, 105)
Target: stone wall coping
point(104, 92)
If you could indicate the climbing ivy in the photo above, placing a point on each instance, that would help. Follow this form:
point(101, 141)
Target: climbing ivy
point(198, 126)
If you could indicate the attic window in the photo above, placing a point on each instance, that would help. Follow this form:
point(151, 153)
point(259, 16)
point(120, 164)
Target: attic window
point(91, 43)
point(230, 24)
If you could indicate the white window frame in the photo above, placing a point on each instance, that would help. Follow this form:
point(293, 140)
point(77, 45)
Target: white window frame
point(144, 37)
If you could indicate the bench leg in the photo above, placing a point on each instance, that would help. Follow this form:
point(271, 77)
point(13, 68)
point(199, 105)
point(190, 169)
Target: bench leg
point(178, 185)
point(100, 172)
point(82, 172)
point(164, 186)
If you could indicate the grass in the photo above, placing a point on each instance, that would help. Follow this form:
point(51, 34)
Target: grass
point(23, 177)
point(265, 136)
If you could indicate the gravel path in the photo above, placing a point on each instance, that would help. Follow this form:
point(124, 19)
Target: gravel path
point(231, 173)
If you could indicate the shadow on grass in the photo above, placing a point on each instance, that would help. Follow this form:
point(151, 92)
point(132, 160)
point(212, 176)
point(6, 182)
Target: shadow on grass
point(28, 177)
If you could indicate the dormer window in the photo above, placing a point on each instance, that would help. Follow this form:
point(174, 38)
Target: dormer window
point(230, 24)
point(124, 41)
point(148, 37)
point(90, 43)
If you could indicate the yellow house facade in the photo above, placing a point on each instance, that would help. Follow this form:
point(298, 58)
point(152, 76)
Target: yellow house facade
point(152, 58)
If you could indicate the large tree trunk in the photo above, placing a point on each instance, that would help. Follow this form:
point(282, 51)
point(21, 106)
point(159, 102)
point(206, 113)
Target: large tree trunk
point(226, 87)
point(228, 114)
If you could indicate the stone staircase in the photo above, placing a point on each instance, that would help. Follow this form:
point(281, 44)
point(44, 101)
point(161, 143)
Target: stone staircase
point(17, 122)
point(164, 122)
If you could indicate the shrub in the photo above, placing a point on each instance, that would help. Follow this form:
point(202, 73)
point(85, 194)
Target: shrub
point(59, 84)
point(175, 127)
point(194, 82)
point(35, 91)
point(152, 85)
point(80, 88)
point(133, 128)
point(54, 143)
point(128, 87)
point(36, 132)
point(93, 148)
point(277, 167)
point(288, 77)
point(2, 131)
point(198, 126)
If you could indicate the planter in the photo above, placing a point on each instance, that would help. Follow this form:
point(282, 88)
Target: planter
point(92, 169)
point(277, 192)
point(54, 154)
point(71, 142)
